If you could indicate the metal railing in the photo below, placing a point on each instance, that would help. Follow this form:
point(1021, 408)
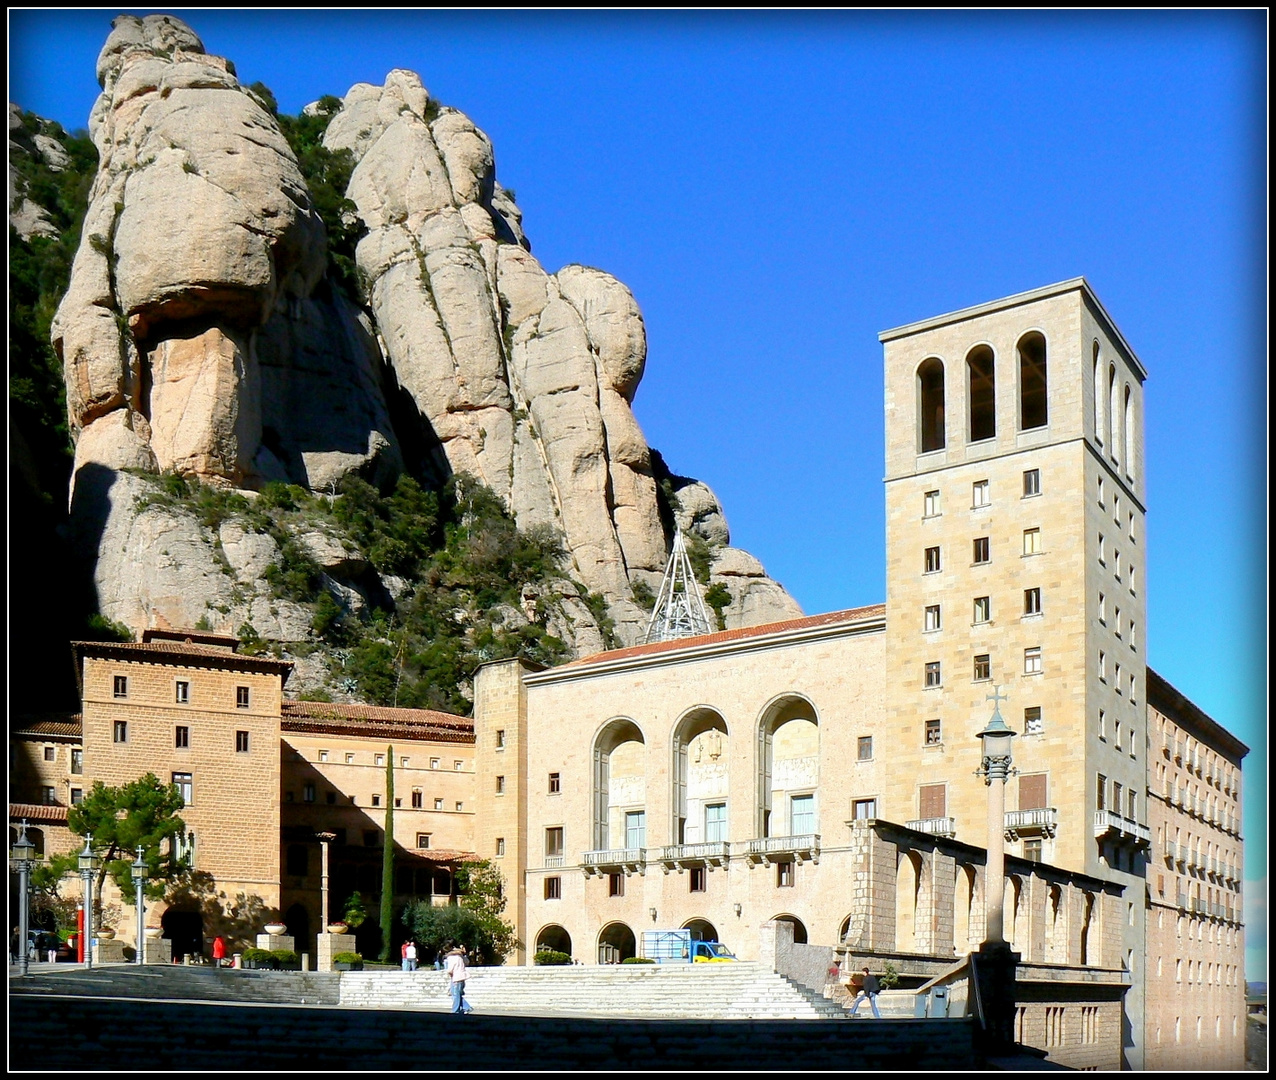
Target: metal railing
point(936, 826)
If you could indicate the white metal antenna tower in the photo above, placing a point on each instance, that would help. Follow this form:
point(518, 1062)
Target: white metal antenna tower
point(679, 610)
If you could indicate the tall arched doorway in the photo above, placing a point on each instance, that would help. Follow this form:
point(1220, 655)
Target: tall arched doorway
point(554, 937)
point(701, 745)
point(788, 768)
point(616, 943)
point(701, 929)
point(620, 786)
point(799, 927)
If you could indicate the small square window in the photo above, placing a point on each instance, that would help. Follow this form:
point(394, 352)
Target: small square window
point(349, 759)
point(500, 738)
point(376, 800)
point(932, 617)
point(371, 838)
point(434, 763)
point(241, 697)
point(379, 759)
point(699, 879)
point(1031, 482)
point(500, 846)
point(323, 755)
point(183, 692)
point(1032, 722)
point(460, 805)
point(1032, 541)
point(457, 765)
point(1032, 850)
point(1032, 661)
point(418, 799)
point(403, 762)
point(983, 609)
point(932, 560)
point(500, 785)
point(866, 748)
point(50, 753)
point(77, 796)
point(983, 667)
point(121, 686)
point(308, 793)
point(50, 795)
point(438, 804)
point(930, 504)
point(185, 787)
point(1032, 601)
point(241, 742)
point(615, 884)
point(864, 809)
point(121, 731)
point(331, 799)
point(555, 783)
point(553, 888)
point(182, 737)
point(934, 734)
point(932, 673)
point(784, 875)
point(981, 550)
point(980, 494)
point(423, 840)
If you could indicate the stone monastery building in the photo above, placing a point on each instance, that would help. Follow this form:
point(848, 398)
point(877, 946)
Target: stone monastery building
point(820, 772)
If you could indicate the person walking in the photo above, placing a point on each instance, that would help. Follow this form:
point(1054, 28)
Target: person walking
point(869, 988)
point(409, 955)
point(403, 955)
point(457, 974)
point(219, 951)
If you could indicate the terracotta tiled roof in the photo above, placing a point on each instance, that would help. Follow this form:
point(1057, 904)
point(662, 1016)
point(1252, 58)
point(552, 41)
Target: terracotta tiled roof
point(50, 725)
point(37, 812)
point(830, 618)
point(438, 855)
point(376, 721)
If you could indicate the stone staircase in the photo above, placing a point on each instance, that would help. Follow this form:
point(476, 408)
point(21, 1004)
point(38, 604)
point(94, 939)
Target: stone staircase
point(180, 983)
point(740, 991)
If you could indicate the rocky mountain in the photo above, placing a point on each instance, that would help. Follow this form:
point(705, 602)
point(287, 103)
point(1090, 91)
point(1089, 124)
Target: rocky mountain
point(261, 304)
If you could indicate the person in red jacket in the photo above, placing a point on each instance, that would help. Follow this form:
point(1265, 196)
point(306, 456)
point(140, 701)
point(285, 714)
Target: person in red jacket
point(219, 950)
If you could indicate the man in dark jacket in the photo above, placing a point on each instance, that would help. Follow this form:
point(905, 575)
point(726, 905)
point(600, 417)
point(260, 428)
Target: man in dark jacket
point(869, 989)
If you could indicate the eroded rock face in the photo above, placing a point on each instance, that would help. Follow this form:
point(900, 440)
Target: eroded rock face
point(29, 218)
point(201, 335)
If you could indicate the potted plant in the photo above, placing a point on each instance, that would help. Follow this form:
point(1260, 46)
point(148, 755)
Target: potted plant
point(285, 960)
point(353, 913)
point(105, 933)
point(338, 927)
point(153, 933)
point(274, 929)
point(347, 961)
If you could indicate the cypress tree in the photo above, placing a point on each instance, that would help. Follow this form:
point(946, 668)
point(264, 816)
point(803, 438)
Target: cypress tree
point(387, 858)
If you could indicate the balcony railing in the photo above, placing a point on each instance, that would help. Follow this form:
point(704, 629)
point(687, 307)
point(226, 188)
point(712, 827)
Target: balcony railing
point(1041, 821)
point(676, 856)
point(1167, 746)
point(611, 860)
point(1180, 901)
point(936, 826)
point(1110, 823)
point(1171, 850)
point(768, 849)
point(553, 861)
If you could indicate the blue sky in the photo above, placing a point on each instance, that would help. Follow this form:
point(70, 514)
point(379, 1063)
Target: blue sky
point(776, 189)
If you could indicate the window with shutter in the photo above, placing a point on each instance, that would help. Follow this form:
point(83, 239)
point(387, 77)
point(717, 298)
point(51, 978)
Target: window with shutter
point(1032, 791)
point(932, 801)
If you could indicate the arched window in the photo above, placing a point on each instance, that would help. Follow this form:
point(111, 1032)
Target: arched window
point(799, 927)
point(616, 944)
point(1100, 434)
point(554, 937)
point(1128, 421)
point(701, 745)
point(982, 391)
point(1114, 415)
point(1033, 410)
point(620, 786)
point(788, 761)
point(930, 404)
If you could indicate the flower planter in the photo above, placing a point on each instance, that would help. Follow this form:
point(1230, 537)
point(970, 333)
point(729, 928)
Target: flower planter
point(275, 929)
point(105, 933)
point(338, 927)
point(153, 933)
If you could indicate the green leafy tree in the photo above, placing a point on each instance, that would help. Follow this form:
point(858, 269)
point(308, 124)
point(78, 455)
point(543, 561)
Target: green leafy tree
point(353, 913)
point(141, 813)
point(718, 596)
point(482, 889)
point(387, 858)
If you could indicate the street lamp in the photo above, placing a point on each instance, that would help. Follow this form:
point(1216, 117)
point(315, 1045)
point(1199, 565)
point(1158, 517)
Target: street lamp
point(140, 873)
point(89, 864)
point(20, 858)
point(995, 767)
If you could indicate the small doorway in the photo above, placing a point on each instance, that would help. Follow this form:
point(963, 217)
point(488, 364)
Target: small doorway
point(185, 929)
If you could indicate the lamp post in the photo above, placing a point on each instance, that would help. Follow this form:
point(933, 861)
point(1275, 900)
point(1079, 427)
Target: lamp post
point(139, 882)
point(995, 767)
point(20, 858)
point(89, 864)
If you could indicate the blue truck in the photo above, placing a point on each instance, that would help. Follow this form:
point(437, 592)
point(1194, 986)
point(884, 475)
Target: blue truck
point(683, 947)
